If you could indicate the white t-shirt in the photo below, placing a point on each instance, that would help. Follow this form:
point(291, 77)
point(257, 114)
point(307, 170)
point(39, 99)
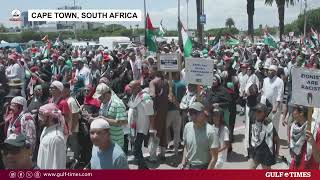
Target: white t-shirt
point(74, 108)
point(136, 67)
point(223, 137)
point(145, 109)
point(85, 72)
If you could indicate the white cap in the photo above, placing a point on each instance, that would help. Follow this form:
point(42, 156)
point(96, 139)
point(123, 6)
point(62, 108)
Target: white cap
point(273, 67)
point(58, 85)
point(99, 123)
point(101, 89)
point(21, 101)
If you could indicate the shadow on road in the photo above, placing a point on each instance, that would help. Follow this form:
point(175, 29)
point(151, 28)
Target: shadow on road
point(236, 157)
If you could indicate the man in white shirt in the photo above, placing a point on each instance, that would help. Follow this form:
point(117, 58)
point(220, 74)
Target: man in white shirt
point(273, 89)
point(135, 66)
point(243, 78)
point(139, 115)
point(16, 71)
point(73, 124)
point(52, 148)
point(83, 70)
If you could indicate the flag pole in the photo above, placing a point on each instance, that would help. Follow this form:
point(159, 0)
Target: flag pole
point(179, 27)
point(145, 22)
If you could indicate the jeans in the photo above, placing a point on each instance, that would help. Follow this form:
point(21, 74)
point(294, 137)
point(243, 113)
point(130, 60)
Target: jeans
point(154, 143)
point(138, 150)
point(174, 121)
point(126, 144)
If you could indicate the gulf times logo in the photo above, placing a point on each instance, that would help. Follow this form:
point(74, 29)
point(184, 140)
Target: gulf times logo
point(15, 15)
point(288, 174)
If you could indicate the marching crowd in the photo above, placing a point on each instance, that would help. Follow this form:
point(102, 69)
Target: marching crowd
point(70, 108)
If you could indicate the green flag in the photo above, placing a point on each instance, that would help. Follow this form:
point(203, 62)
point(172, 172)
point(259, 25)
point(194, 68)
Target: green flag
point(187, 44)
point(269, 40)
point(150, 39)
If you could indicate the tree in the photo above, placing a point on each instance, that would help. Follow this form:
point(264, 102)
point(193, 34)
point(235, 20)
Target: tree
point(250, 12)
point(2, 28)
point(281, 10)
point(229, 23)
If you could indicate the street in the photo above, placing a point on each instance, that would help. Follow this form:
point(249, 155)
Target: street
point(236, 159)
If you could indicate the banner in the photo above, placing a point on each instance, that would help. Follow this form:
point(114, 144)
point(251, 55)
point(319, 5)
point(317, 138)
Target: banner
point(199, 71)
point(169, 62)
point(306, 87)
point(158, 174)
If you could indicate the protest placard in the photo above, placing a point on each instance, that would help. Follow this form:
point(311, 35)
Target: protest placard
point(306, 87)
point(169, 62)
point(199, 71)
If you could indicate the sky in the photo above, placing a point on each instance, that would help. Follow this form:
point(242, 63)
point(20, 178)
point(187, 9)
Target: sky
point(217, 11)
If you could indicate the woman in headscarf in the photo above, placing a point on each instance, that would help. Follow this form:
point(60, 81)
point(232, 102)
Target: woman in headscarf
point(89, 109)
point(305, 156)
point(218, 96)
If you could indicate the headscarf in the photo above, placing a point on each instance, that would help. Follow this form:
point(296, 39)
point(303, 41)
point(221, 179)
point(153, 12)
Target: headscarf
point(21, 101)
point(89, 100)
point(52, 110)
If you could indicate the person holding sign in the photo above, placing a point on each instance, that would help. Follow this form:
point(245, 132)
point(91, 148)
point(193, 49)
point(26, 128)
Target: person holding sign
point(304, 155)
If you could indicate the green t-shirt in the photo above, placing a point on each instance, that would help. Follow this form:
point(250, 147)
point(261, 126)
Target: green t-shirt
point(116, 110)
point(198, 142)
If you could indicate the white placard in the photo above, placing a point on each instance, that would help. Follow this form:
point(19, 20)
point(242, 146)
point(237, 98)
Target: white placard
point(169, 62)
point(84, 15)
point(306, 87)
point(199, 71)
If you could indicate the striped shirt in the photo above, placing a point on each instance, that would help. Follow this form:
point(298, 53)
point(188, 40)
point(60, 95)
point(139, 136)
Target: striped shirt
point(116, 110)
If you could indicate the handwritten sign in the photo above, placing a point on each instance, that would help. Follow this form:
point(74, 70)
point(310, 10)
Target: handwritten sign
point(199, 71)
point(306, 87)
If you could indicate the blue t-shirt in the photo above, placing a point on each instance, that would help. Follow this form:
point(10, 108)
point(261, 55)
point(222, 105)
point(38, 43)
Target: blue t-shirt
point(111, 158)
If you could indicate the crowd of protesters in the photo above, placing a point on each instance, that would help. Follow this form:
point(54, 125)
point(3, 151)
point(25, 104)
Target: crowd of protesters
point(63, 107)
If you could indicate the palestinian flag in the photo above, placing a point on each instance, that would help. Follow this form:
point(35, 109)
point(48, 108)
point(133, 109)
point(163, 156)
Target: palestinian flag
point(150, 39)
point(161, 31)
point(215, 43)
point(187, 43)
point(46, 50)
point(314, 37)
point(269, 40)
point(231, 40)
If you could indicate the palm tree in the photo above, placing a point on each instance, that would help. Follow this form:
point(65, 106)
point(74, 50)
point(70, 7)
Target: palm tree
point(229, 23)
point(250, 12)
point(281, 9)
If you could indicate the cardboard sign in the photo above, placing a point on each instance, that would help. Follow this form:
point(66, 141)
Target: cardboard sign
point(306, 87)
point(169, 62)
point(199, 71)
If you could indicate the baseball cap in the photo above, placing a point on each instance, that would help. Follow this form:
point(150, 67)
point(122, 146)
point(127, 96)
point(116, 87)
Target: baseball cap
point(101, 89)
point(16, 140)
point(196, 106)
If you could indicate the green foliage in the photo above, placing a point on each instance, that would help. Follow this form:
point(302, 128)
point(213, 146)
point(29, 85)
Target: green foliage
point(218, 31)
point(313, 20)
